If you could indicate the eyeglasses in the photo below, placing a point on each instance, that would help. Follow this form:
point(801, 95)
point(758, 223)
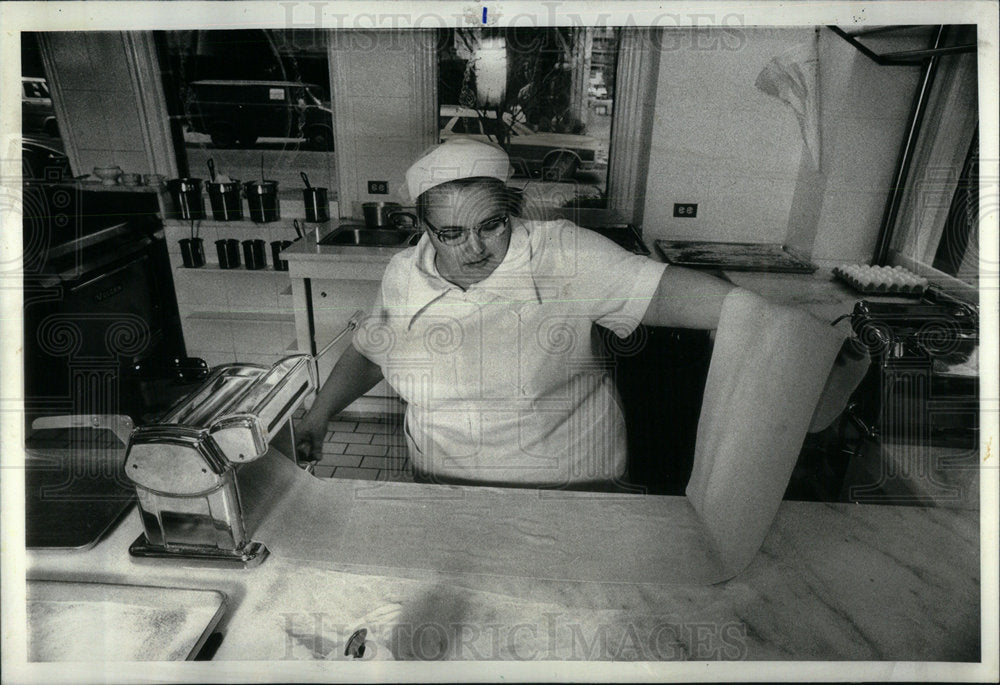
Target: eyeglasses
point(456, 235)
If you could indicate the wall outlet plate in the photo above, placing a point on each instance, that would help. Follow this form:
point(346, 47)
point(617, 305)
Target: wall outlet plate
point(687, 210)
point(378, 187)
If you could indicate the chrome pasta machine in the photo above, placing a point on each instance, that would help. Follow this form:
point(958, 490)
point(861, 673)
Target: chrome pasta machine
point(185, 467)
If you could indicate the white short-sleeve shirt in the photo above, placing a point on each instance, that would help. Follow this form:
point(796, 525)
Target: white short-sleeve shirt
point(503, 381)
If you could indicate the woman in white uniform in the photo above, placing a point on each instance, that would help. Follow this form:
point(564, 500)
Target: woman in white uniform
point(486, 330)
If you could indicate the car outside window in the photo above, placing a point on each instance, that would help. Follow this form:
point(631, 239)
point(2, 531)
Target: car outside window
point(38, 116)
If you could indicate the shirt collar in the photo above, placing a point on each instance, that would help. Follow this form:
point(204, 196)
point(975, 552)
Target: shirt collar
point(511, 282)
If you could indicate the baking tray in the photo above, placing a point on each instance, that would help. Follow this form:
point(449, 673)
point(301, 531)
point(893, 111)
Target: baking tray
point(75, 492)
point(105, 622)
point(701, 254)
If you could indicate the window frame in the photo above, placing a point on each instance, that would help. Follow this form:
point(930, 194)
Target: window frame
point(945, 137)
point(636, 75)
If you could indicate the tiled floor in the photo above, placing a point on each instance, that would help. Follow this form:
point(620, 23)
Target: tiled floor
point(366, 448)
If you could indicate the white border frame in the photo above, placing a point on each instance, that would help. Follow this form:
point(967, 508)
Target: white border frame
point(176, 15)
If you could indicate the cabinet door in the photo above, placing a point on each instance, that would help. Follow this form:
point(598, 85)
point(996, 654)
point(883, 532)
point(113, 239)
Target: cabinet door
point(334, 301)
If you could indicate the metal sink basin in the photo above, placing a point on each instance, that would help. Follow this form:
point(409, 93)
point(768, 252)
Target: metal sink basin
point(371, 237)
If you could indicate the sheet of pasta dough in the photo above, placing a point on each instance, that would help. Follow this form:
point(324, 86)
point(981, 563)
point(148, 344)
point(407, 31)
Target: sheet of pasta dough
point(408, 529)
point(769, 366)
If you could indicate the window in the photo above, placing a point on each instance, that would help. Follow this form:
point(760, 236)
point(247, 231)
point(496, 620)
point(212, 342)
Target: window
point(42, 154)
point(545, 95)
point(253, 101)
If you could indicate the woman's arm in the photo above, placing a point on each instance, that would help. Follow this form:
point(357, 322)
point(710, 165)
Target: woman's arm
point(352, 376)
point(686, 298)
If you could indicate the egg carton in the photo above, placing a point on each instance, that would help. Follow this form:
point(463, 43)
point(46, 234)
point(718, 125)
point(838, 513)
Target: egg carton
point(881, 280)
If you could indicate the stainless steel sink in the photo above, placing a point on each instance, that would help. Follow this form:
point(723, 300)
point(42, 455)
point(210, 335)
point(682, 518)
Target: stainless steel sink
point(371, 237)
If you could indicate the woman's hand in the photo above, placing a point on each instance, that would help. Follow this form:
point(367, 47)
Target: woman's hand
point(352, 376)
point(310, 432)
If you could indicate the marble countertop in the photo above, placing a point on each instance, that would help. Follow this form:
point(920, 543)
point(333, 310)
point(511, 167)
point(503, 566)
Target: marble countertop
point(832, 582)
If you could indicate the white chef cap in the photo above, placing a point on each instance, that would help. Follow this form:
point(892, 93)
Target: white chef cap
point(454, 159)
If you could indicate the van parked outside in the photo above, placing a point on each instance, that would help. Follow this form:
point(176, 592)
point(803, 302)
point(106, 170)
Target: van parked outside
point(37, 115)
point(237, 113)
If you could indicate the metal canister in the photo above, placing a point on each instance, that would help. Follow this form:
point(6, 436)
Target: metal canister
point(276, 247)
point(188, 202)
point(229, 253)
point(227, 205)
point(262, 198)
point(255, 254)
point(317, 204)
point(379, 214)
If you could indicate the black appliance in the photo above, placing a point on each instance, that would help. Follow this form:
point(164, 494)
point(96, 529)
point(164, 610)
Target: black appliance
point(98, 300)
point(913, 392)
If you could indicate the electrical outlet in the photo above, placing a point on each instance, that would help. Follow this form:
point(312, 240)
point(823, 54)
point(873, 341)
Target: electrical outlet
point(378, 187)
point(688, 210)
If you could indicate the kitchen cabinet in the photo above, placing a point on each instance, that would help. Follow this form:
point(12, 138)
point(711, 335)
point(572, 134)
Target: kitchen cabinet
point(234, 315)
point(231, 315)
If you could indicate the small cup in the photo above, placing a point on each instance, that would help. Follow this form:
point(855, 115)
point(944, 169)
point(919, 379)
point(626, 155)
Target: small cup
point(229, 253)
point(154, 180)
point(276, 247)
point(255, 254)
point(193, 252)
point(109, 175)
point(130, 179)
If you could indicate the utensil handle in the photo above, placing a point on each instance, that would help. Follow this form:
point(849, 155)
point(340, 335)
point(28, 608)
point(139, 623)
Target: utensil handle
point(353, 323)
point(305, 179)
point(211, 168)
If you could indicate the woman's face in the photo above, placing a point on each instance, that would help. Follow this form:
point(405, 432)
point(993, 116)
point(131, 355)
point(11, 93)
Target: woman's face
point(468, 213)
